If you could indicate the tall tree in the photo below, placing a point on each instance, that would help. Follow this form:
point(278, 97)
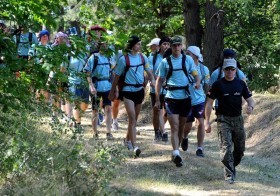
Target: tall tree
point(193, 28)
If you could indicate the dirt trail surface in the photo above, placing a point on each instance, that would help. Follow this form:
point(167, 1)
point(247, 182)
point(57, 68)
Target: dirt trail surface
point(154, 173)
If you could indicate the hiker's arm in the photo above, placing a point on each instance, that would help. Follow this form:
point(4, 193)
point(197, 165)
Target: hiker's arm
point(114, 92)
point(158, 86)
point(197, 80)
point(91, 85)
point(208, 110)
point(251, 104)
point(151, 78)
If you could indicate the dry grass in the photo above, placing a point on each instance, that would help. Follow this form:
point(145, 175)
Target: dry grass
point(154, 173)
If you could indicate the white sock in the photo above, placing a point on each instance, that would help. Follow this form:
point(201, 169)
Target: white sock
point(176, 152)
point(201, 148)
point(115, 120)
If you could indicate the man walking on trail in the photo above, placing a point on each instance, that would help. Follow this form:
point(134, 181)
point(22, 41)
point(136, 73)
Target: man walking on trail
point(158, 114)
point(175, 70)
point(198, 101)
point(229, 92)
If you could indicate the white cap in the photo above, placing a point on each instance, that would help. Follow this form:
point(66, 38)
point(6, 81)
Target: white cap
point(196, 51)
point(229, 63)
point(154, 41)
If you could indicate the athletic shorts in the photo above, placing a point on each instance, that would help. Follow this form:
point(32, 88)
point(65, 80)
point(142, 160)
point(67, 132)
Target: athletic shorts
point(79, 92)
point(196, 111)
point(178, 106)
point(161, 99)
point(137, 97)
point(95, 100)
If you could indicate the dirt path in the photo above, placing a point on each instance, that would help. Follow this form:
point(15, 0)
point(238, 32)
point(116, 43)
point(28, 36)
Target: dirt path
point(154, 173)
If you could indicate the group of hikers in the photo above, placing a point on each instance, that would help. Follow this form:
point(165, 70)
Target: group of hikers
point(182, 91)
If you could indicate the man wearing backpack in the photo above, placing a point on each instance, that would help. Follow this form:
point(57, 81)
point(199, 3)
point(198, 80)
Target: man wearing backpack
point(175, 69)
point(130, 71)
point(198, 100)
point(229, 91)
point(158, 115)
point(24, 41)
point(99, 70)
point(218, 73)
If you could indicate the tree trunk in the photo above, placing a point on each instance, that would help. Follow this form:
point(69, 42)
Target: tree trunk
point(193, 28)
point(214, 35)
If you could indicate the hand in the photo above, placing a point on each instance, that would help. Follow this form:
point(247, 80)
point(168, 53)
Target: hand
point(207, 126)
point(112, 95)
point(153, 83)
point(250, 110)
point(92, 90)
point(197, 86)
point(157, 105)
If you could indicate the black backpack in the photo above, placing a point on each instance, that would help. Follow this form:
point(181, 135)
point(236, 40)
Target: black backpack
point(170, 87)
point(29, 38)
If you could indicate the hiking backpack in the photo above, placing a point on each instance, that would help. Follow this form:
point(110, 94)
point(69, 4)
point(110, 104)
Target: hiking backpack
point(121, 82)
point(170, 87)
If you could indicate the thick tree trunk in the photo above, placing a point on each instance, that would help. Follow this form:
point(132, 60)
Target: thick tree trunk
point(193, 28)
point(214, 35)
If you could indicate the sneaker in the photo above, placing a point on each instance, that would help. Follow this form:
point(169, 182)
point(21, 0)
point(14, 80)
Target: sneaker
point(177, 160)
point(157, 135)
point(95, 136)
point(109, 136)
point(100, 117)
point(185, 144)
point(137, 151)
point(115, 126)
point(229, 179)
point(199, 153)
point(165, 137)
point(128, 144)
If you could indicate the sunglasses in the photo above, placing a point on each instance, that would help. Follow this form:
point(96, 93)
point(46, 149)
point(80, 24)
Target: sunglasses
point(230, 69)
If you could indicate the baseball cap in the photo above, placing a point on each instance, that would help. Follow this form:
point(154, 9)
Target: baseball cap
point(44, 32)
point(176, 40)
point(196, 51)
point(97, 27)
point(229, 63)
point(154, 41)
point(229, 53)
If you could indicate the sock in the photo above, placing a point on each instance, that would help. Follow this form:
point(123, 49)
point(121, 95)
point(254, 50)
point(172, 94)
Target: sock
point(115, 120)
point(201, 148)
point(176, 152)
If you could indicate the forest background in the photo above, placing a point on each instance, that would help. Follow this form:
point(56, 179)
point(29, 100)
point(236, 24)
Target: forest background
point(251, 27)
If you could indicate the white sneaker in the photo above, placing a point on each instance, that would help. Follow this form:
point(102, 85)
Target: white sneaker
point(115, 126)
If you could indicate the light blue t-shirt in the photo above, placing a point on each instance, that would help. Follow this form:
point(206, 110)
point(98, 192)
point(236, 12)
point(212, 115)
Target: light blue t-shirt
point(178, 78)
point(135, 73)
point(76, 75)
point(215, 75)
point(24, 45)
point(101, 73)
point(198, 96)
point(159, 58)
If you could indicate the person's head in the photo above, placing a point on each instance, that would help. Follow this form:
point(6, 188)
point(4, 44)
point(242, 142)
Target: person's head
point(164, 44)
point(102, 47)
point(194, 52)
point(154, 44)
point(176, 45)
point(95, 32)
point(133, 44)
point(61, 38)
point(229, 68)
point(44, 36)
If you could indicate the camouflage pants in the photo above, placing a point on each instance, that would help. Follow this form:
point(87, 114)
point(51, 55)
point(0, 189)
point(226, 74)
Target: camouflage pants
point(232, 137)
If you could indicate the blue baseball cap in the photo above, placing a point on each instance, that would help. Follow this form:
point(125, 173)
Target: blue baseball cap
point(229, 53)
point(44, 32)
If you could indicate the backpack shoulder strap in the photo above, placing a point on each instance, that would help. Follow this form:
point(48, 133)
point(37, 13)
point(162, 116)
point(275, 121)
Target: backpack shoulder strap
point(220, 73)
point(170, 67)
point(142, 59)
point(30, 35)
point(95, 63)
point(18, 38)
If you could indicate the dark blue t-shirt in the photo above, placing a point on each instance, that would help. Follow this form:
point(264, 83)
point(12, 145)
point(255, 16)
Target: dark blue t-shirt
point(229, 95)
